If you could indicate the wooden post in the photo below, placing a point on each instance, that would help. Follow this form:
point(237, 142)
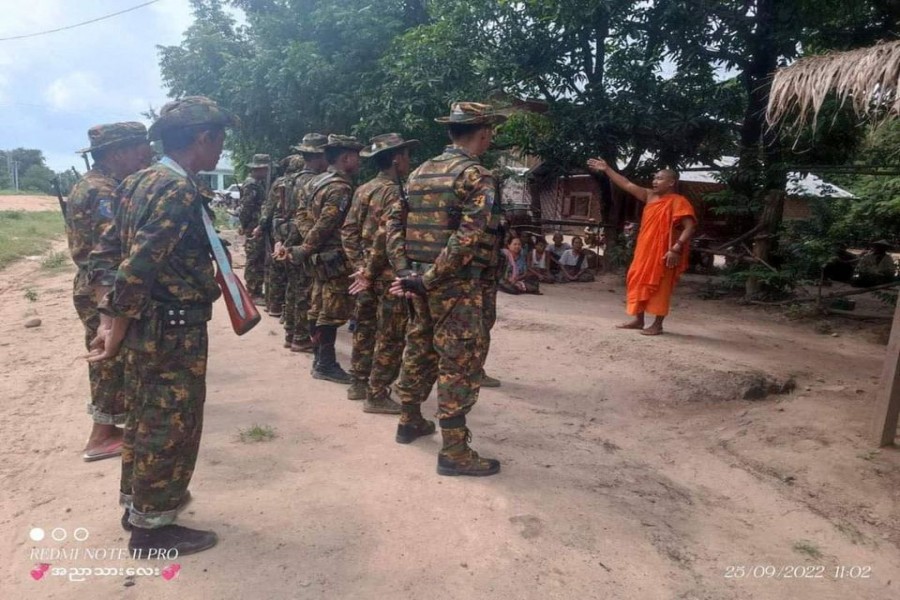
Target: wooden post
point(887, 402)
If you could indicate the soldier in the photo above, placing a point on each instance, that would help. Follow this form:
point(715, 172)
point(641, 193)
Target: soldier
point(439, 260)
point(296, 321)
point(380, 316)
point(276, 276)
point(118, 150)
point(154, 269)
point(329, 196)
point(253, 196)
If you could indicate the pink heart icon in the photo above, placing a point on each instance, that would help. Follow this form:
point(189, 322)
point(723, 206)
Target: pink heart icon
point(36, 573)
point(171, 572)
point(43, 566)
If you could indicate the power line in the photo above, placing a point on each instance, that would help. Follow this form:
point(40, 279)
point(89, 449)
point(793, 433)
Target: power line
point(109, 16)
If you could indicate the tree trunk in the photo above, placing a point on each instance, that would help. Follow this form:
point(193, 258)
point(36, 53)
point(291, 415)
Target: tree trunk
point(764, 242)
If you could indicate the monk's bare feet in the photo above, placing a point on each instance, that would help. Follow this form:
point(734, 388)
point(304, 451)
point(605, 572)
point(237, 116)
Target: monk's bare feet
point(653, 330)
point(103, 436)
point(635, 324)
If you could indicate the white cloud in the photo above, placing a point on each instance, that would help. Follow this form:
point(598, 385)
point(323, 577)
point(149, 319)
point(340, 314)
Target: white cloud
point(75, 91)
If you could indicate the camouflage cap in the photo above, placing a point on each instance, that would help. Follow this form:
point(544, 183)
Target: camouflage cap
point(191, 110)
point(312, 143)
point(471, 113)
point(115, 134)
point(260, 161)
point(386, 141)
point(347, 142)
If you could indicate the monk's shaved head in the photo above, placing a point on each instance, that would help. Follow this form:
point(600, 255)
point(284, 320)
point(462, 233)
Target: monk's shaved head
point(670, 173)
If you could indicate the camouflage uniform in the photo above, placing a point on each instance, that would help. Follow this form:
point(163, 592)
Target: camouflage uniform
point(329, 196)
point(90, 212)
point(445, 338)
point(157, 259)
point(272, 212)
point(296, 320)
point(253, 196)
point(357, 236)
point(444, 233)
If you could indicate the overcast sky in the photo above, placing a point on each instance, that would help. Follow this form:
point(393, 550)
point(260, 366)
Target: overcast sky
point(54, 87)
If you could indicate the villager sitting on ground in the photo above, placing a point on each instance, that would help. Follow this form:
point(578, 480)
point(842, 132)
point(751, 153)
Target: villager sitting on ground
point(574, 264)
point(556, 250)
point(516, 279)
point(877, 267)
point(662, 251)
point(538, 261)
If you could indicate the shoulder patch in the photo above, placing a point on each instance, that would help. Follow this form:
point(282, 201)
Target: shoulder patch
point(105, 208)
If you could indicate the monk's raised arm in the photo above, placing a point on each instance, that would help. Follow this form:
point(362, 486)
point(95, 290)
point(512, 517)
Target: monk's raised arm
point(599, 165)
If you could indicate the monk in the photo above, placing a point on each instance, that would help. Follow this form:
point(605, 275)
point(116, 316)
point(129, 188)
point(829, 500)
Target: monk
point(662, 252)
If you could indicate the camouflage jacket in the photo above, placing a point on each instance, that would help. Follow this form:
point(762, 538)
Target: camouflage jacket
point(476, 190)
point(253, 197)
point(156, 251)
point(297, 207)
point(365, 216)
point(90, 212)
point(274, 199)
point(327, 207)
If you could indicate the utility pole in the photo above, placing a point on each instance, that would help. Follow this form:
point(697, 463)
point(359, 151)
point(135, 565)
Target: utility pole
point(16, 175)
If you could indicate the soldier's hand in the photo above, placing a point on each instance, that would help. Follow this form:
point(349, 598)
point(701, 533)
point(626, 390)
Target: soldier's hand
point(597, 164)
point(408, 287)
point(279, 252)
point(257, 232)
point(360, 283)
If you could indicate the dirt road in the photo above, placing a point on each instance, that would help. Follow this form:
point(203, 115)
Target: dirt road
point(632, 468)
point(29, 203)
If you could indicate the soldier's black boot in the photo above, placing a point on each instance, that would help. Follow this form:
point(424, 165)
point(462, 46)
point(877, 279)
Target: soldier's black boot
point(328, 368)
point(357, 389)
point(381, 404)
point(314, 338)
point(412, 424)
point(456, 457)
point(153, 543)
point(288, 340)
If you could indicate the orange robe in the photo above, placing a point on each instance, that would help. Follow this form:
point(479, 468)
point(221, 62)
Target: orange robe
point(650, 283)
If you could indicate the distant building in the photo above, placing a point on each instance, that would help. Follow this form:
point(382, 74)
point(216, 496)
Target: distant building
point(223, 175)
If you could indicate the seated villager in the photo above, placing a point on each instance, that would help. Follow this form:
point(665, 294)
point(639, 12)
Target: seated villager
point(556, 250)
point(574, 264)
point(538, 261)
point(877, 267)
point(516, 279)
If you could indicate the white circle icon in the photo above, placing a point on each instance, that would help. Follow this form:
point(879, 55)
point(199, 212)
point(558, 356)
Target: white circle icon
point(36, 534)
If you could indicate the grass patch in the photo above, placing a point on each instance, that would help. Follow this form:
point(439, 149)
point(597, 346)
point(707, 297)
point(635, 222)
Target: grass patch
point(25, 233)
point(257, 433)
point(55, 260)
point(808, 548)
point(22, 193)
point(31, 295)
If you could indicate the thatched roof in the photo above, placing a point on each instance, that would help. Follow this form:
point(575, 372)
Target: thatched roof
point(869, 78)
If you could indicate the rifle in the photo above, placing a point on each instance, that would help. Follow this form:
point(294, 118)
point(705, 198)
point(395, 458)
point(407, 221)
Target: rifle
point(59, 196)
point(404, 210)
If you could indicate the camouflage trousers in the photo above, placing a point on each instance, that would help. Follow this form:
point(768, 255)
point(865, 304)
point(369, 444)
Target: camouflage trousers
point(390, 339)
point(296, 301)
point(330, 302)
point(107, 405)
point(165, 420)
point(444, 342)
point(366, 315)
point(489, 287)
point(254, 269)
point(276, 283)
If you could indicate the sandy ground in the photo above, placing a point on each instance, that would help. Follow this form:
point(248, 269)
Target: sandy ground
point(632, 468)
point(29, 203)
